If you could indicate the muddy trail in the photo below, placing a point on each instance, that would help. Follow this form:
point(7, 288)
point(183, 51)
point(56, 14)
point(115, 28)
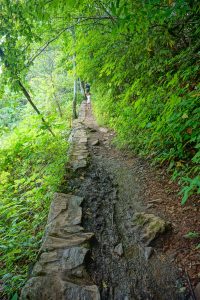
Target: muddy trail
point(115, 190)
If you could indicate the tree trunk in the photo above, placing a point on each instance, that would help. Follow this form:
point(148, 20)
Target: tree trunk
point(58, 105)
point(82, 89)
point(81, 83)
point(28, 97)
point(55, 98)
point(74, 113)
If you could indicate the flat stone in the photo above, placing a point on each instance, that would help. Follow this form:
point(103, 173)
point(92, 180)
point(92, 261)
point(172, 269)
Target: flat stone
point(95, 143)
point(103, 130)
point(57, 289)
point(82, 156)
point(64, 219)
point(44, 269)
point(76, 292)
point(149, 226)
point(74, 212)
point(119, 249)
point(83, 140)
point(55, 226)
point(80, 152)
point(148, 251)
point(80, 164)
point(58, 210)
point(81, 134)
point(48, 263)
point(79, 272)
point(52, 243)
point(49, 257)
point(59, 204)
point(73, 257)
point(62, 227)
point(44, 288)
point(75, 201)
point(71, 229)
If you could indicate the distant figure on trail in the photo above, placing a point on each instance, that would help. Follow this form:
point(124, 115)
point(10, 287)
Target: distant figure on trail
point(88, 102)
point(87, 88)
point(88, 95)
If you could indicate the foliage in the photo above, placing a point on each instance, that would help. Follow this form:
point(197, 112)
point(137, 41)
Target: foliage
point(193, 187)
point(191, 235)
point(142, 60)
point(32, 167)
point(144, 65)
point(194, 235)
point(11, 106)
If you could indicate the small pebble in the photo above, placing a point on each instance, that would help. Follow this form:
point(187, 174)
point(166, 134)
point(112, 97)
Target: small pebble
point(148, 251)
point(119, 249)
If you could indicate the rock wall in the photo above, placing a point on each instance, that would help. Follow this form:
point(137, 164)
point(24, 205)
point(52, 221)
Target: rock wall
point(59, 273)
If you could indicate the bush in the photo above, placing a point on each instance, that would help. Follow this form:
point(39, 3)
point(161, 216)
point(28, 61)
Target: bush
point(32, 164)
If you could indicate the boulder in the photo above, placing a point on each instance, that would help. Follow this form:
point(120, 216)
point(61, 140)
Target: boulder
point(57, 289)
point(149, 226)
point(73, 291)
point(73, 257)
point(43, 288)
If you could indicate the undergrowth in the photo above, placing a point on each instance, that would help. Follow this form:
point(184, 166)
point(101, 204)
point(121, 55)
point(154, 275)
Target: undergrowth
point(144, 70)
point(32, 164)
point(163, 124)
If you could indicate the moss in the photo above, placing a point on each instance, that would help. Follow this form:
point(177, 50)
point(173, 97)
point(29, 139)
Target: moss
point(150, 226)
point(140, 219)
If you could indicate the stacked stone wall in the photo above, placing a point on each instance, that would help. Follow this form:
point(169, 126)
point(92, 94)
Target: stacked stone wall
point(60, 273)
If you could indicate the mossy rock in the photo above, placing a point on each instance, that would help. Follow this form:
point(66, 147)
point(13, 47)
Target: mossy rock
point(149, 226)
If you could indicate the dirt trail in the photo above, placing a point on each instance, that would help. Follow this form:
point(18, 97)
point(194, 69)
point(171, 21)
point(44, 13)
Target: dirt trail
point(114, 188)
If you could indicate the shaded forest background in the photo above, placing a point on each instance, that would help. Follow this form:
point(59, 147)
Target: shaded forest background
point(142, 61)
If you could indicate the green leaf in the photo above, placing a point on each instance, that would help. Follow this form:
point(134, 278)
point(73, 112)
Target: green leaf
point(15, 297)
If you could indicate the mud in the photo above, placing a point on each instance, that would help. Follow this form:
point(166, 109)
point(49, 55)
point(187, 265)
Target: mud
point(113, 190)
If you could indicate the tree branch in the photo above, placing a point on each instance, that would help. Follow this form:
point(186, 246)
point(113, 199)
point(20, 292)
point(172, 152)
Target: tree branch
point(106, 11)
point(28, 97)
point(96, 18)
point(40, 50)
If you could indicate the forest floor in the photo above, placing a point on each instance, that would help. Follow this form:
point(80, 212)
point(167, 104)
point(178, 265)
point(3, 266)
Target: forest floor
point(115, 186)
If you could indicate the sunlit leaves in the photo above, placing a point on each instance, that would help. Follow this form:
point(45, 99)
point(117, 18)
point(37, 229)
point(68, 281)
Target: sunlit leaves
point(32, 166)
point(145, 66)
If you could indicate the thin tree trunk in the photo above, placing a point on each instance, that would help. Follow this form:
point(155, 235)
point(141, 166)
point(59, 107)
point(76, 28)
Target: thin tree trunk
point(28, 97)
point(58, 104)
point(74, 113)
point(82, 89)
point(55, 98)
point(81, 83)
